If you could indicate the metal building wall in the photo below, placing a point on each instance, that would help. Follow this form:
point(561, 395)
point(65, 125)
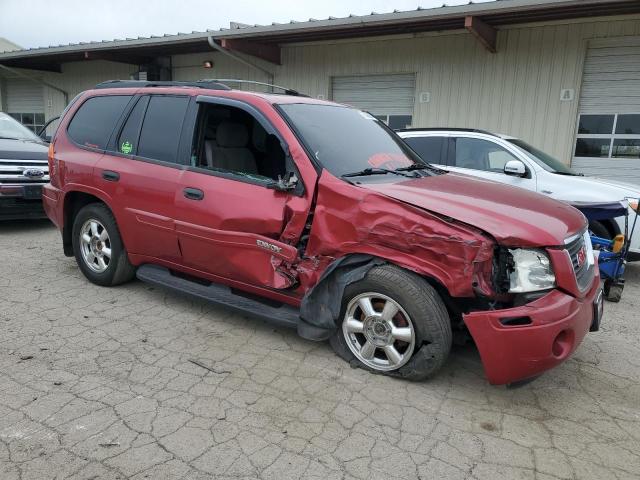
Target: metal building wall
point(189, 67)
point(77, 77)
point(516, 91)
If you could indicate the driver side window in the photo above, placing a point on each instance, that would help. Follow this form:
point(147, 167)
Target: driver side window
point(230, 140)
point(478, 154)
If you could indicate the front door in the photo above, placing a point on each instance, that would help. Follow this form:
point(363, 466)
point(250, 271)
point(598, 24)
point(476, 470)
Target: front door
point(486, 159)
point(231, 222)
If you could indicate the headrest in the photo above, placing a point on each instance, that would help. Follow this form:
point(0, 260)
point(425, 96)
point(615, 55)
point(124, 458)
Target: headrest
point(210, 132)
point(230, 134)
point(259, 136)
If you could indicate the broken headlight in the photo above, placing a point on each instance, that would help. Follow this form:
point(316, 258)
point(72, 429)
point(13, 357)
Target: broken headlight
point(531, 271)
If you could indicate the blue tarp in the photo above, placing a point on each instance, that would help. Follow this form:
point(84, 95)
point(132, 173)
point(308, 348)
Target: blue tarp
point(602, 211)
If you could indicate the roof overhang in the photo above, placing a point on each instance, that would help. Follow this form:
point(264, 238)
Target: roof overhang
point(497, 13)
point(481, 19)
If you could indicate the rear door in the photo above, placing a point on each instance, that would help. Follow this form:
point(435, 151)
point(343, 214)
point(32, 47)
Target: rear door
point(142, 174)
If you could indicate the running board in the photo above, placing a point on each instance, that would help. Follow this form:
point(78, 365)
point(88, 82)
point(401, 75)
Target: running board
point(282, 316)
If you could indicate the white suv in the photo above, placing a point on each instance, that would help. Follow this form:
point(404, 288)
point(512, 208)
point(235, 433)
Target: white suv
point(510, 160)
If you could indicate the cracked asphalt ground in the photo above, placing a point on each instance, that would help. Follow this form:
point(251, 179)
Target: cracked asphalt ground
point(98, 383)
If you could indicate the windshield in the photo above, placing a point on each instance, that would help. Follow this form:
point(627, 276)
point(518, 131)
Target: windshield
point(345, 140)
point(543, 159)
point(11, 128)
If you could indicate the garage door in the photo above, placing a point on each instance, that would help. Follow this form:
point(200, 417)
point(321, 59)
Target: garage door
point(608, 136)
point(25, 102)
point(388, 97)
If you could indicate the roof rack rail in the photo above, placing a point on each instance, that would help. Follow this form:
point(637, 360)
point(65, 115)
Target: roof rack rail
point(438, 129)
point(286, 90)
point(212, 85)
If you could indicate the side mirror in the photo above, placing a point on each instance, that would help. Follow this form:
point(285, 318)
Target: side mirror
point(286, 184)
point(42, 133)
point(515, 168)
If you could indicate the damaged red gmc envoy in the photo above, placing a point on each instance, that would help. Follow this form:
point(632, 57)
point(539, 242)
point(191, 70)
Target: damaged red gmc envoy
point(316, 216)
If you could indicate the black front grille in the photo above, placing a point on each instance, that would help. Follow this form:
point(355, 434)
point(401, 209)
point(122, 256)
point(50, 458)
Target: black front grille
point(584, 273)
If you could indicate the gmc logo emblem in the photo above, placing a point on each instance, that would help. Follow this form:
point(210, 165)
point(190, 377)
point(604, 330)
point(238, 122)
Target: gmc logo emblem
point(581, 257)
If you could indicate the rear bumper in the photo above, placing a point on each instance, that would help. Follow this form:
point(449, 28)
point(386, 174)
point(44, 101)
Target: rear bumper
point(52, 204)
point(558, 323)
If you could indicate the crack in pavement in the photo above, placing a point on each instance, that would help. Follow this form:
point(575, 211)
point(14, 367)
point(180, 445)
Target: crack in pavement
point(137, 382)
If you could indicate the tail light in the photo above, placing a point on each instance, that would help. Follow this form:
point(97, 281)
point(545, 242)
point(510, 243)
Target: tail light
point(52, 165)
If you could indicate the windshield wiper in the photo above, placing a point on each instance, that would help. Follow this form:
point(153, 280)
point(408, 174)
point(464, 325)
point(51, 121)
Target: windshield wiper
point(10, 138)
point(419, 166)
point(374, 171)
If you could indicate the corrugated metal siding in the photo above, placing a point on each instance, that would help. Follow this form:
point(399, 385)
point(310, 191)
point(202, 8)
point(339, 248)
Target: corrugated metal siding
point(189, 67)
point(24, 96)
point(379, 94)
point(516, 91)
point(79, 76)
point(611, 82)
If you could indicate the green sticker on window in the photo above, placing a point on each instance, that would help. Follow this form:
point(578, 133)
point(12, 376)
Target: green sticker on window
point(126, 148)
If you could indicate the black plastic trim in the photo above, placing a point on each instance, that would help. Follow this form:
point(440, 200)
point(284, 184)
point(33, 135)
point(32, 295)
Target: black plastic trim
point(282, 316)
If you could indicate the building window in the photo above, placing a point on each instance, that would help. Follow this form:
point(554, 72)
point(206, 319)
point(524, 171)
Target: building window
point(396, 122)
point(33, 121)
point(608, 136)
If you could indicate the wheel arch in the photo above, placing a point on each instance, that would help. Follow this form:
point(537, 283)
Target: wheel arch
point(74, 200)
point(612, 226)
point(321, 304)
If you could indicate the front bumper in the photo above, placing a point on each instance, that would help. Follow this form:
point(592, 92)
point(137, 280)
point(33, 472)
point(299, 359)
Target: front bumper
point(21, 202)
point(537, 337)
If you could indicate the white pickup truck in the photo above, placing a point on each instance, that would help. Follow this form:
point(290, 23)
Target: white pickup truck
point(512, 161)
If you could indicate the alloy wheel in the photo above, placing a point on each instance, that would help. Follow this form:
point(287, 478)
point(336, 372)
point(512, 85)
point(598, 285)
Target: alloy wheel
point(378, 331)
point(95, 245)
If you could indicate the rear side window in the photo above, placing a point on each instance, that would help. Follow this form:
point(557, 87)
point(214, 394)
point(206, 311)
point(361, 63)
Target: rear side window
point(430, 149)
point(161, 128)
point(128, 139)
point(96, 118)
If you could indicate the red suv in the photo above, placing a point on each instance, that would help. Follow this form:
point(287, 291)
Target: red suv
point(316, 216)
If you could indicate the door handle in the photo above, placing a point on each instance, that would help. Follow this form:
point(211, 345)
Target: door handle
point(193, 193)
point(110, 176)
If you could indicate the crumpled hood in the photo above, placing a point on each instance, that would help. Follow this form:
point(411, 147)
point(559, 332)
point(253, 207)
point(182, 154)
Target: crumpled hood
point(513, 216)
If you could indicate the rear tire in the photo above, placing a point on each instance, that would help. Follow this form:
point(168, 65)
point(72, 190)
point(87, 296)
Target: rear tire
point(98, 247)
point(393, 322)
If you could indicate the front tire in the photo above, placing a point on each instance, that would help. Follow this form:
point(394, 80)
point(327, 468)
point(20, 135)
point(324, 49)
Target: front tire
point(393, 322)
point(98, 247)
point(599, 230)
point(613, 291)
